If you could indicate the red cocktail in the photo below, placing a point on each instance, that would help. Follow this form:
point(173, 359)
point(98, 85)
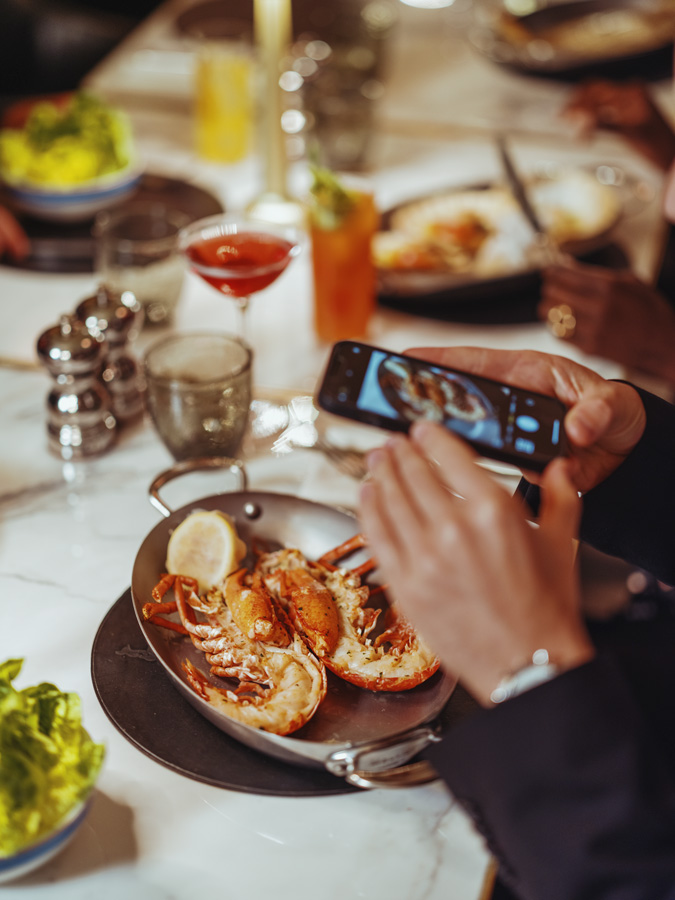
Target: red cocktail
point(238, 256)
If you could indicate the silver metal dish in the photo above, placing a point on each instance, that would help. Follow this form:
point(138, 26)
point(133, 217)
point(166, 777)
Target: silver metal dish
point(366, 737)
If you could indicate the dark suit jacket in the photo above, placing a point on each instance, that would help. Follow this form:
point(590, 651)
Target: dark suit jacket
point(573, 782)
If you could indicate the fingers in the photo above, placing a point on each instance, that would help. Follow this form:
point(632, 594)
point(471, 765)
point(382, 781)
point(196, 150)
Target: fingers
point(399, 504)
point(407, 497)
point(528, 369)
point(595, 297)
point(560, 511)
point(403, 479)
point(455, 460)
point(12, 236)
point(588, 421)
point(377, 525)
point(607, 104)
point(468, 359)
point(577, 276)
point(613, 418)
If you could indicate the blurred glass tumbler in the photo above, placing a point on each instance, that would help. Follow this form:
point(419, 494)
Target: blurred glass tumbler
point(199, 392)
point(136, 250)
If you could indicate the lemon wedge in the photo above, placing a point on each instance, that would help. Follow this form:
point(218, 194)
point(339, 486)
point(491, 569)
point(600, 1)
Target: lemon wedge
point(205, 546)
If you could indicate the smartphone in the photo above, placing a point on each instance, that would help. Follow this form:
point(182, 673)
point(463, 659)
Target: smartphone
point(391, 391)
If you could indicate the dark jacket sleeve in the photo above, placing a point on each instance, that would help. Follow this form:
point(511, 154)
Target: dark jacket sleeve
point(631, 514)
point(573, 783)
point(571, 789)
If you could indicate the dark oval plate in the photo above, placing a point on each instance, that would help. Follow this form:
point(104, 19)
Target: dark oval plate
point(70, 247)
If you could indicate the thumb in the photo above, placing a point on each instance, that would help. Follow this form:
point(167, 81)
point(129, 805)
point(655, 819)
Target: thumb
point(588, 421)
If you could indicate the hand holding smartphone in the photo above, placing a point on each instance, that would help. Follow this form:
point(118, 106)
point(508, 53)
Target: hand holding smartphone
point(392, 391)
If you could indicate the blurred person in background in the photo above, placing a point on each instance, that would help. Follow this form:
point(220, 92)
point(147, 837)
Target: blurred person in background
point(616, 314)
point(567, 767)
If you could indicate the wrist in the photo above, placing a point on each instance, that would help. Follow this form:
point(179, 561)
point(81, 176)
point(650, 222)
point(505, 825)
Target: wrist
point(543, 666)
point(539, 670)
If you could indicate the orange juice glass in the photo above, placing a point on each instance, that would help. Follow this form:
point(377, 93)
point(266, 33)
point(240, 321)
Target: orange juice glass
point(344, 272)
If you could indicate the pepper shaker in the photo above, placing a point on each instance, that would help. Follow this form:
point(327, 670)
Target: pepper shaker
point(117, 318)
point(80, 421)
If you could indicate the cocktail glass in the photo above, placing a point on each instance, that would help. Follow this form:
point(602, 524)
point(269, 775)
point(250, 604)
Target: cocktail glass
point(239, 255)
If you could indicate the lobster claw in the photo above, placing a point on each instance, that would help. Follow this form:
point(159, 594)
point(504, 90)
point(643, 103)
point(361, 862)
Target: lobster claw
point(252, 608)
point(349, 546)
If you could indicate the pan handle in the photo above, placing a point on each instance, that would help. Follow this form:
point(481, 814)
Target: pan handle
point(375, 764)
point(185, 466)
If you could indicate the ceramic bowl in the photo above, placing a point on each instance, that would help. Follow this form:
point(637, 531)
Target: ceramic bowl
point(75, 203)
point(36, 854)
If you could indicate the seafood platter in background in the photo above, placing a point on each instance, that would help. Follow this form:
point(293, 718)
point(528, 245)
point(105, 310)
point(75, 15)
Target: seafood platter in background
point(573, 35)
point(262, 610)
point(65, 158)
point(479, 235)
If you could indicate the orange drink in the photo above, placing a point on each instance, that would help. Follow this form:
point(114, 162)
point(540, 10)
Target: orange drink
point(342, 227)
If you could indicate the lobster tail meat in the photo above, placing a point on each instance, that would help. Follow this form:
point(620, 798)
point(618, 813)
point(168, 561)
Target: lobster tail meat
point(308, 602)
point(279, 685)
point(395, 661)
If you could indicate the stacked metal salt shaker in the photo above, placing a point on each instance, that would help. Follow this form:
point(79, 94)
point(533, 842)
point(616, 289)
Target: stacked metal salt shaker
point(116, 319)
point(97, 382)
point(80, 421)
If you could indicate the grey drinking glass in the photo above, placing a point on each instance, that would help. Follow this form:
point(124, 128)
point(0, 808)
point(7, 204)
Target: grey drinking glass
point(198, 393)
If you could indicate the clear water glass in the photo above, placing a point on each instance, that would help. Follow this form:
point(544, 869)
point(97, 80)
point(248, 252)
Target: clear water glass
point(198, 393)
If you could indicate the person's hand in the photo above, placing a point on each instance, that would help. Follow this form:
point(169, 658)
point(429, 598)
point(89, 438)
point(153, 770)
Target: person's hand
point(616, 315)
point(484, 588)
point(605, 419)
point(626, 109)
point(13, 239)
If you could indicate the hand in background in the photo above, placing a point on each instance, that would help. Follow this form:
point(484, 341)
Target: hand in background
point(626, 109)
point(617, 316)
point(483, 587)
point(605, 419)
point(13, 239)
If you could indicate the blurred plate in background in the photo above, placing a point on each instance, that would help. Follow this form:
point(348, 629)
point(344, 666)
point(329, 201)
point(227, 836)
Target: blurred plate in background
point(601, 197)
point(550, 38)
point(69, 246)
point(458, 237)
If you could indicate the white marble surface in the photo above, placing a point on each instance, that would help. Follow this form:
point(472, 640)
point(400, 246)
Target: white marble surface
point(68, 538)
point(69, 533)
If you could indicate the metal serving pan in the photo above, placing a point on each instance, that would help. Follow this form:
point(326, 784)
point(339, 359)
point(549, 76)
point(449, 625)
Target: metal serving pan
point(366, 737)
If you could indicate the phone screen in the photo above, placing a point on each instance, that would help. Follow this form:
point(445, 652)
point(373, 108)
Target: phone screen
point(392, 391)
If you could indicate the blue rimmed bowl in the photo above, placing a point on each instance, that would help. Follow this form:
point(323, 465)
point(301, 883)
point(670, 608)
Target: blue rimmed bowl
point(75, 203)
point(39, 852)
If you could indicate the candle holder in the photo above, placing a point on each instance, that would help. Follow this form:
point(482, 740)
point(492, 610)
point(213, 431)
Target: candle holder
point(273, 36)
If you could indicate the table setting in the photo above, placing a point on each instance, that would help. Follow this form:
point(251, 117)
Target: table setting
point(160, 361)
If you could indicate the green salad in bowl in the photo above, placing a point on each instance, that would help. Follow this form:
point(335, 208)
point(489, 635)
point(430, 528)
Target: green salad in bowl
point(62, 145)
point(48, 767)
point(69, 160)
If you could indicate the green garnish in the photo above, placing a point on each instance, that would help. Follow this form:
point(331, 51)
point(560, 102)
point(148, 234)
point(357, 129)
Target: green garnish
point(48, 762)
point(332, 202)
